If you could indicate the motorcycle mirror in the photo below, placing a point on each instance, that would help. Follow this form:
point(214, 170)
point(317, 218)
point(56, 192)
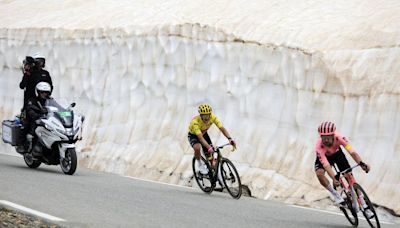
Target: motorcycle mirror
point(73, 104)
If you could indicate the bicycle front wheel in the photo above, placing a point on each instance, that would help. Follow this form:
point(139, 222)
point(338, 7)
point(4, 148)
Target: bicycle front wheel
point(231, 178)
point(348, 209)
point(372, 220)
point(204, 181)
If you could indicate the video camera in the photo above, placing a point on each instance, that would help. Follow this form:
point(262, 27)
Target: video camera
point(28, 63)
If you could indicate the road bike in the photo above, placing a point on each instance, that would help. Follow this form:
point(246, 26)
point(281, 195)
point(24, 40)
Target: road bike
point(223, 169)
point(354, 194)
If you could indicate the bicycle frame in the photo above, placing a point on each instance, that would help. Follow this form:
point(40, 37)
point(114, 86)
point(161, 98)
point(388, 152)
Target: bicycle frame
point(348, 175)
point(217, 165)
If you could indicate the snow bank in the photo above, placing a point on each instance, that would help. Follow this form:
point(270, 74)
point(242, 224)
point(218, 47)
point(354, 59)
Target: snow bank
point(272, 71)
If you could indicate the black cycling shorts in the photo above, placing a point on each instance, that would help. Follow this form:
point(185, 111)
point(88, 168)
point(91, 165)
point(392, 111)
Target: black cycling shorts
point(193, 139)
point(337, 158)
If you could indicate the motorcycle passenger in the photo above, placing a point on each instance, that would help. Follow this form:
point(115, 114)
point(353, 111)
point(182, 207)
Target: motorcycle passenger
point(33, 73)
point(199, 138)
point(328, 153)
point(36, 109)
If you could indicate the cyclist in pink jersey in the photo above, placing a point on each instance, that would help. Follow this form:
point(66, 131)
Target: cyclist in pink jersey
point(329, 152)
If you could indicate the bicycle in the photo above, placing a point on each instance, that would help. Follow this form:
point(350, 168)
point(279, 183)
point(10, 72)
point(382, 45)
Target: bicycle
point(228, 172)
point(353, 193)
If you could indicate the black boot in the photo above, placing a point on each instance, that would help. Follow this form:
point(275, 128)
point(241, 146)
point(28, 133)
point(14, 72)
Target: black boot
point(37, 151)
point(28, 143)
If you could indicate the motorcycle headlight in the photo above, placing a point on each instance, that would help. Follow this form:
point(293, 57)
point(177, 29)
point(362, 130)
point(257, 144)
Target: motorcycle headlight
point(70, 132)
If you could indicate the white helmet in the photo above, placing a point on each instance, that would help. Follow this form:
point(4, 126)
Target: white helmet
point(39, 58)
point(37, 55)
point(42, 87)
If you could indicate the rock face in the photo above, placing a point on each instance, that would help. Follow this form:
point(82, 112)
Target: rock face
point(272, 72)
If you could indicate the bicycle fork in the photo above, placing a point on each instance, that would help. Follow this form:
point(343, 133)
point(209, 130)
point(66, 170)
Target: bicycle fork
point(354, 197)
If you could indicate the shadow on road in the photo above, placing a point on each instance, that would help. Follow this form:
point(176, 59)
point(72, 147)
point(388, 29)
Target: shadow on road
point(44, 169)
point(319, 224)
point(214, 195)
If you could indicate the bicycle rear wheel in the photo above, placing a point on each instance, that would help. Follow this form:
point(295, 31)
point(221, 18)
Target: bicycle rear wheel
point(204, 181)
point(373, 221)
point(231, 178)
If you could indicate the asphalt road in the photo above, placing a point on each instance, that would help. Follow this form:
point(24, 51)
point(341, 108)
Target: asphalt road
point(96, 199)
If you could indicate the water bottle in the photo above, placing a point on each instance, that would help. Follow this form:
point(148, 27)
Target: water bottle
point(18, 121)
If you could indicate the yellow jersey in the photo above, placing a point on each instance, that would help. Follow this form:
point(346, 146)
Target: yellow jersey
point(197, 126)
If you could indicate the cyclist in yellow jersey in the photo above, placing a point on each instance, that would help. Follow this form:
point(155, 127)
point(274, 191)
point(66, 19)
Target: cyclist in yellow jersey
point(198, 137)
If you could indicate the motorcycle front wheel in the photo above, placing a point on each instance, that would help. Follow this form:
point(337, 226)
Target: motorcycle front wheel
point(69, 162)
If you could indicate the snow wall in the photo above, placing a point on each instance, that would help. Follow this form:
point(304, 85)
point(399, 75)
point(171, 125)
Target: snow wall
point(271, 71)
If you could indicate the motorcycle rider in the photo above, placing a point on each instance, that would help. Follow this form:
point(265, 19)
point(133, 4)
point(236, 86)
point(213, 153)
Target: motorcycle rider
point(33, 73)
point(35, 109)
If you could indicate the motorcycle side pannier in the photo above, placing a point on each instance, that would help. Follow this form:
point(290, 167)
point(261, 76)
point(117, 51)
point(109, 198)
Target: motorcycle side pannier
point(12, 132)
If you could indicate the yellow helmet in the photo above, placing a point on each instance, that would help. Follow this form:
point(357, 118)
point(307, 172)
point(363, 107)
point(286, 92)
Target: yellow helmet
point(205, 109)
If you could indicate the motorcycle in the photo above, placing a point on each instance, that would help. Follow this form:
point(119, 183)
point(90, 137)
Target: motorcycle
point(56, 135)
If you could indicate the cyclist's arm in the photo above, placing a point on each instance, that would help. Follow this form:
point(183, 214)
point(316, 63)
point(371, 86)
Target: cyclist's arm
point(221, 127)
point(345, 143)
point(356, 157)
point(203, 141)
point(225, 132)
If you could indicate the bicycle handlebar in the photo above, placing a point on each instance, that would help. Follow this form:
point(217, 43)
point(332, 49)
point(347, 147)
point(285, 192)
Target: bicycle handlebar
point(349, 169)
point(222, 146)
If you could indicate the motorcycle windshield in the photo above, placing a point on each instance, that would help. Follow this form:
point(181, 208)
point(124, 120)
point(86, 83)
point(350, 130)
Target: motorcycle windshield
point(64, 115)
point(53, 106)
point(66, 118)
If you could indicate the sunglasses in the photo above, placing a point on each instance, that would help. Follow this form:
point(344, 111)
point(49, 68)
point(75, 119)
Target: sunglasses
point(205, 117)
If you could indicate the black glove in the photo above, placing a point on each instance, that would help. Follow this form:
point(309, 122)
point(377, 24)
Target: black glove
point(44, 111)
point(364, 166)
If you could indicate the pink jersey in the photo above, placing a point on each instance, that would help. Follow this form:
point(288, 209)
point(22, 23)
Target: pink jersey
point(323, 151)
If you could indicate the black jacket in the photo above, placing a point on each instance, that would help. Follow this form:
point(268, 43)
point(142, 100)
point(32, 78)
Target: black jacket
point(35, 109)
point(29, 83)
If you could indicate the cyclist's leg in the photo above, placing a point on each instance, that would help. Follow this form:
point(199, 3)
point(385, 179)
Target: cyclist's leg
point(196, 145)
point(320, 172)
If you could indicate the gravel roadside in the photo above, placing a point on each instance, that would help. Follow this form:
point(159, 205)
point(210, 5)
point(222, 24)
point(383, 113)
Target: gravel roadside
point(10, 218)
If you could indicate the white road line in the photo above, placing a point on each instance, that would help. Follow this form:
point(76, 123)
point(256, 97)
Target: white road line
point(157, 182)
point(31, 211)
point(334, 213)
point(319, 210)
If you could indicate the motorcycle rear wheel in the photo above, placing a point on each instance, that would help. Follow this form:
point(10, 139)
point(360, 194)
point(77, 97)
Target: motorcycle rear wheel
point(30, 162)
